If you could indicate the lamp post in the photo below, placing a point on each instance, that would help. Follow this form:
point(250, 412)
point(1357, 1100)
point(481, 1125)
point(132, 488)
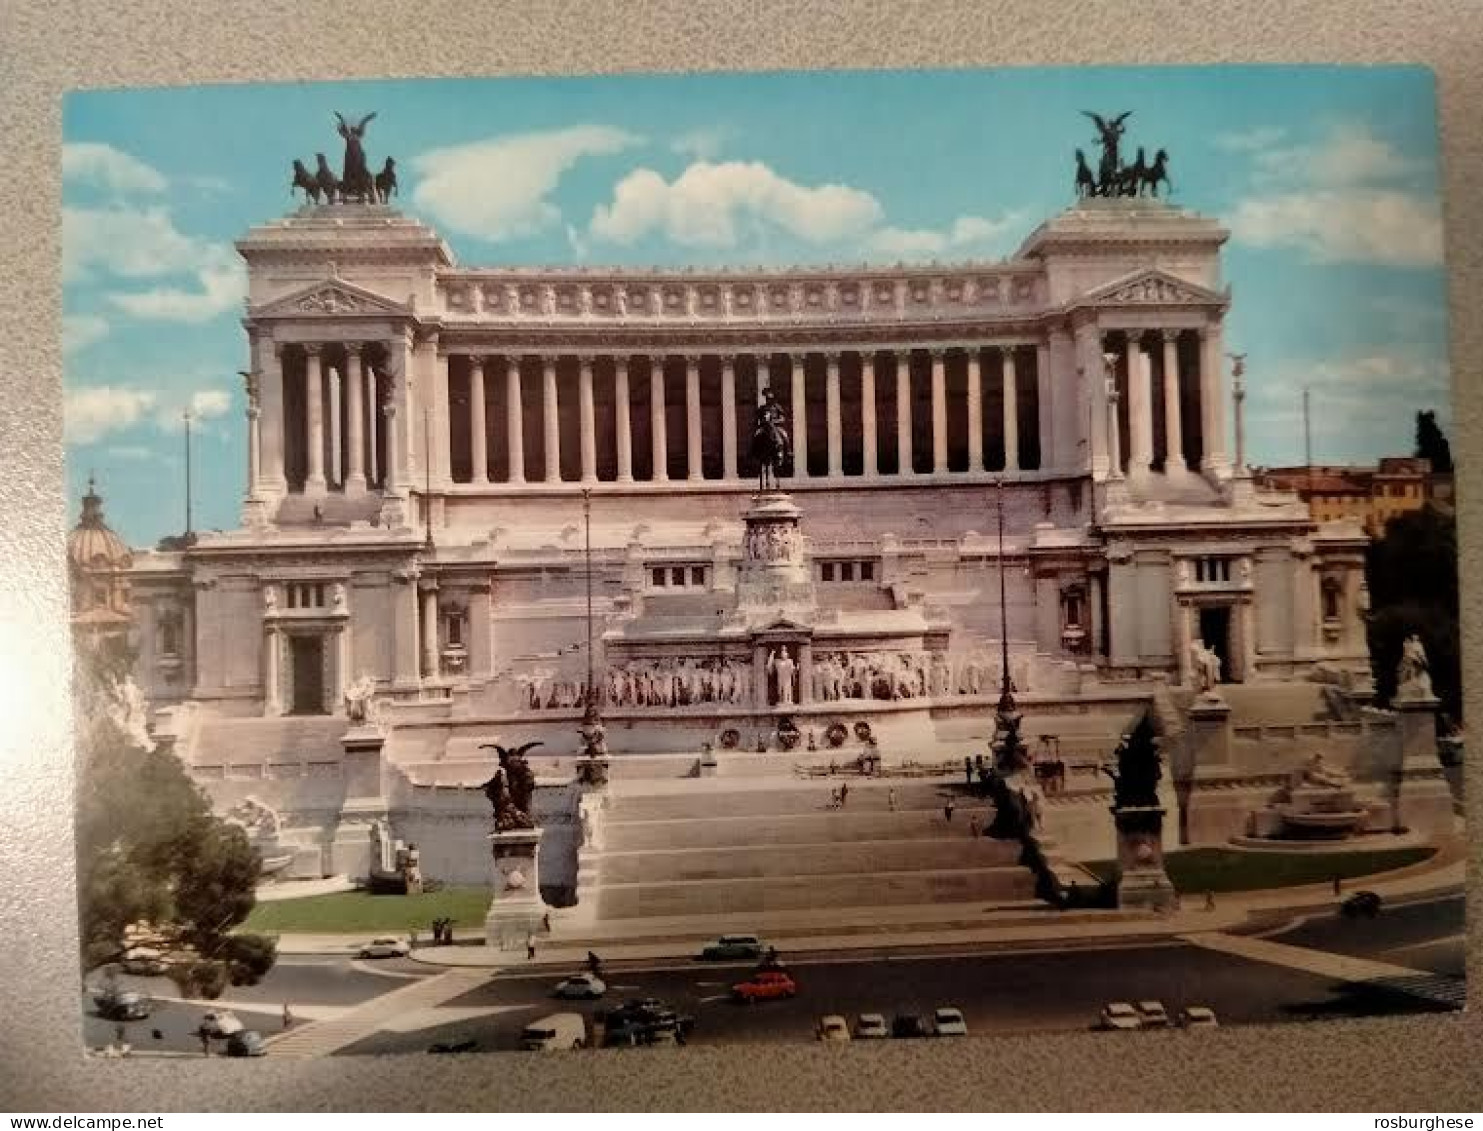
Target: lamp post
point(1009, 748)
point(593, 769)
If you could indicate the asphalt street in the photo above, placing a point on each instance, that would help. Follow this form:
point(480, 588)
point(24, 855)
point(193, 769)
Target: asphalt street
point(1425, 935)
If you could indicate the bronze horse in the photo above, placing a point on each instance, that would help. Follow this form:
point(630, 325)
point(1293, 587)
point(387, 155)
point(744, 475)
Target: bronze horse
point(303, 179)
point(386, 186)
point(769, 441)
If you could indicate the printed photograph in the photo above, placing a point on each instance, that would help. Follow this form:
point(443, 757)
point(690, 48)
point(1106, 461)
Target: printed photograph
point(571, 564)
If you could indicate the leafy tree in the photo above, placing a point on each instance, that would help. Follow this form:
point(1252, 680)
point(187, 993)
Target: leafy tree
point(149, 849)
point(1412, 575)
point(1431, 443)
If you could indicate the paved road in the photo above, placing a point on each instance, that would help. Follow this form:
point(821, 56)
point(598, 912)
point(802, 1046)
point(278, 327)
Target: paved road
point(1004, 992)
point(1425, 935)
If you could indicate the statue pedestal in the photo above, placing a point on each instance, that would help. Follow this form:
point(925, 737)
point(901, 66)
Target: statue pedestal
point(592, 772)
point(773, 575)
point(1142, 883)
point(517, 908)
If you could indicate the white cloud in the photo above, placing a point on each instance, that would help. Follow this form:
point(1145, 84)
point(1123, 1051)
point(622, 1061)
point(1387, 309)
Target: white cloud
point(102, 166)
point(699, 145)
point(92, 413)
point(965, 234)
point(81, 330)
point(1247, 141)
point(220, 287)
point(708, 205)
point(209, 403)
point(498, 189)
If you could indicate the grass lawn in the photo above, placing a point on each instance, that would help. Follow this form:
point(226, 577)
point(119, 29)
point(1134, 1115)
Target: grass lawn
point(361, 912)
point(1222, 869)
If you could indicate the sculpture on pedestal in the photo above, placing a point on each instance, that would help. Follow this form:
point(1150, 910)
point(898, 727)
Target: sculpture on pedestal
point(770, 443)
point(783, 668)
point(1135, 776)
point(1205, 662)
point(1413, 674)
point(1114, 178)
point(511, 788)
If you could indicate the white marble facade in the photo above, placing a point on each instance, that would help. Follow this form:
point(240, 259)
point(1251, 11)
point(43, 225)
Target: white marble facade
point(420, 436)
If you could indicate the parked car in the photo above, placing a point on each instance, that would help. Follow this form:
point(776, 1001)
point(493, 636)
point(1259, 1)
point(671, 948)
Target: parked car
point(765, 985)
point(122, 1005)
point(1152, 1015)
point(1198, 1017)
point(905, 1026)
point(555, 1031)
point(1361, 905)
point(832, 1028)
point(733, 947)
point(948, 1021)
point(220, 1023)
point(871, 1027)
point(1119, 1016)
point(644, 1021)
point(581, 986)
point(385, 948)
point(246, 1042)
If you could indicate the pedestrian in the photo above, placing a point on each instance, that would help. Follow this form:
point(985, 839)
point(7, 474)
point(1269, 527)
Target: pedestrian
point(530, 947)
point(412, 938)
point(968, 769)
point(947, 810)
point(834, 799)
point(844, 792)
point(1209, 901)
point(545, 923)
point(1338, 885)
point(891, 799)
point(973, 826)
point(205, 1040)
point(288, 1018)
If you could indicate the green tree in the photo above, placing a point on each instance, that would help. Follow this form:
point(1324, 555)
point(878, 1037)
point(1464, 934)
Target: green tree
point(1412, 575)
point(150, 851)
point(1431, 443)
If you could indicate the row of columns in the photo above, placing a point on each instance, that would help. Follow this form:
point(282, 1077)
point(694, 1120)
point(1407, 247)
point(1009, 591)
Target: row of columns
point(789, 370)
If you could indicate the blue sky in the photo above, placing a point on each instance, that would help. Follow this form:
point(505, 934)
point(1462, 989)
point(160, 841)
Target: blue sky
point(1327, 177)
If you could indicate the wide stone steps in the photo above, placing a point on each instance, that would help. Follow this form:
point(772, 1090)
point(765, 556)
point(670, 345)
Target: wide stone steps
point(796, 892)
point(758, 860)
point(823, 827)
point(227, 741)
point(708, 798)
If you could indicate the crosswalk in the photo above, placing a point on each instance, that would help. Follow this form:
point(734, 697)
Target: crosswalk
point(329, 1036)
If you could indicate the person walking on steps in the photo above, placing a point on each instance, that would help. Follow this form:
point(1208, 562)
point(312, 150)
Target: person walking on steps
point(947, 811)
point(844, 792)
point(530, 947)
point(891, 799)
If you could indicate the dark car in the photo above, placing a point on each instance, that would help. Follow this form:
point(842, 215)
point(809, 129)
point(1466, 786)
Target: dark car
point(908, 1025)
point(1361, 905)
point(731, 947)
point(122, 1005)
point(644, 1021)
point(246, 1042)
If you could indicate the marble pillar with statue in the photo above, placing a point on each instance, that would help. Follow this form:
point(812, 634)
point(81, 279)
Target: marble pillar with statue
point(1142, 882)
point(517, 909)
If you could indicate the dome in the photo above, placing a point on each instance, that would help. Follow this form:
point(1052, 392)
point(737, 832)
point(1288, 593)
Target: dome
point(92, 546)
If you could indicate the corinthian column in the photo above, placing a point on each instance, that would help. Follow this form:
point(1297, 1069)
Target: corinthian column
point(867, 411)
point(656, 420)
point(800, 416)
point(552, 421)
point(430, 634)
point(589, 420)
point(335, 446)
point(478, 426)
point(313, 398)
point(355, 410)
point(903, 414)
point(975, 409)
point(374, 471)
point(514, 422)
point(1140, 407)
point(1173, 426)
point(832, 411)
point(622, 426)
point(1011, 410)
point(728, 416)
point(692, 418)
point(1212, 403)
point(939, 412)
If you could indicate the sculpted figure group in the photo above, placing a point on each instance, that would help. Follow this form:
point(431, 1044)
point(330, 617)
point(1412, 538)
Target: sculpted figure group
point(679, 682)
point(356, 182)
point(901, 675)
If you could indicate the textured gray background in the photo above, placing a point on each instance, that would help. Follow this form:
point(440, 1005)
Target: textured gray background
point(46, 48)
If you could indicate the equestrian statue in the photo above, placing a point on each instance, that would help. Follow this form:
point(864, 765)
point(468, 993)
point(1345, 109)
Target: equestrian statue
point(770, 445)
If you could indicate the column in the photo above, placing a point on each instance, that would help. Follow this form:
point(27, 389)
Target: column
point(375, 473)
point(267, 358)
point(334, 475)
point(800, 417)
point(432, 423)
point(1140, 405)
point(254, 443)
point(1091, 373)
point(478, 424)
point(622, 426)
point(728, 416)
point(1173, 426)
point(401, 451)
point(429, 633)
point(939, 412)
point(342, 668)
point(313, 392)
point(656, 420)
point(832, 410)
point(760, 676)
point(805, 672)
point(867, 411)
point(391, 475)
point(975, 409)
point(1045, 406)
point(903, 414)
point(1114, 445)
point(271, 678)
point(692, 418)
point(552, 421)
point(1011, 409)
point(589, 420)
point(355, 476)
point(514, 422)
point(1212, 403)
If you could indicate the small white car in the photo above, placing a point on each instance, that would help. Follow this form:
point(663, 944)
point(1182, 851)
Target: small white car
point(385, 948)
point(1198, 1017)
point(581, 986)
point(553, 1032)
point(871, 1027)
point(832, 1028)
point(1119, 1016)
point(947, 1021)
point(1153, 1015)
point(220, 1023)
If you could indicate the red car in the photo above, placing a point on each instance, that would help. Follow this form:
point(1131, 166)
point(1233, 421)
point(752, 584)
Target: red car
point(765, 985)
